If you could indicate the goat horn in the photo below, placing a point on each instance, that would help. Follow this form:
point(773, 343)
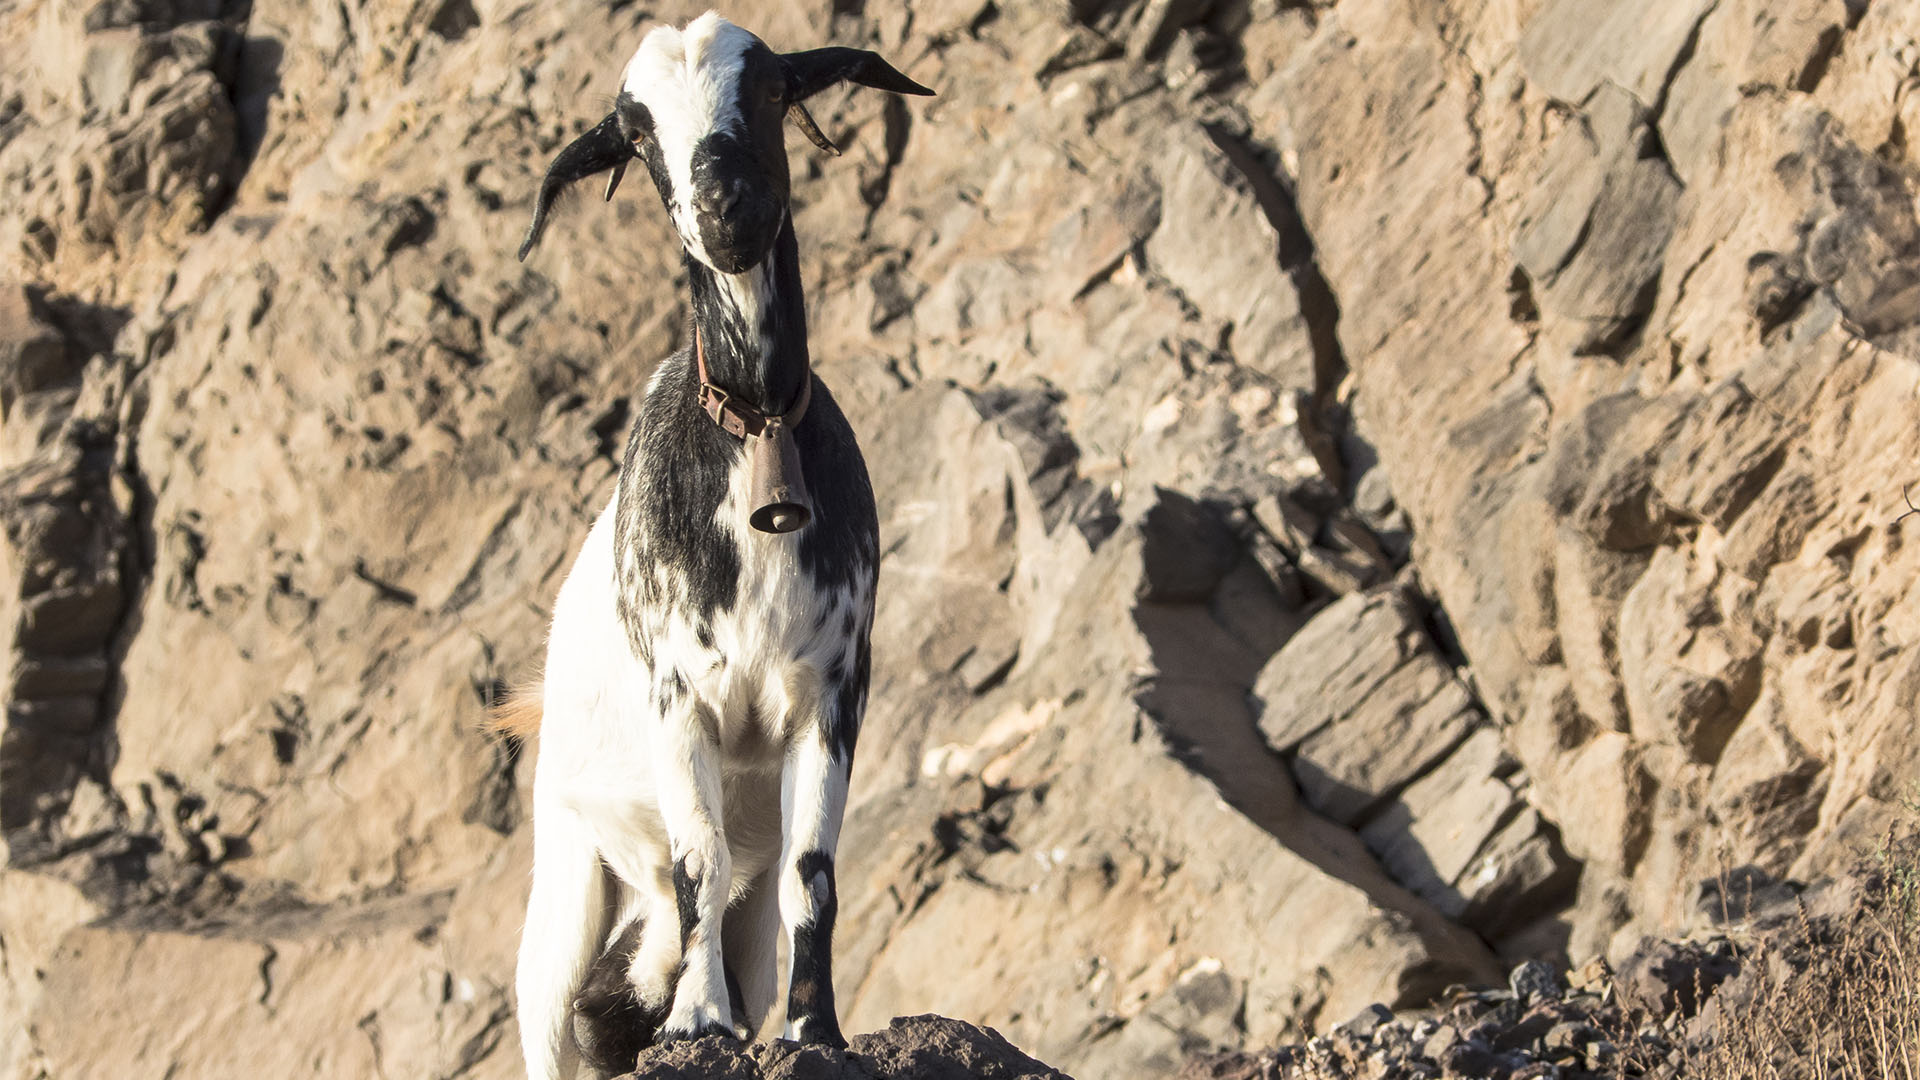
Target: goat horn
point(613, 181)
point(804, 120)
point(598, 150)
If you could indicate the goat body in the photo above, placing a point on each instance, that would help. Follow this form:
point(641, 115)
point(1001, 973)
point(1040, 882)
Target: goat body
point(704, 682)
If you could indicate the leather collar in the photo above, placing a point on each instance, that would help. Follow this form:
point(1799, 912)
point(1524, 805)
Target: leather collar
point(736, 418)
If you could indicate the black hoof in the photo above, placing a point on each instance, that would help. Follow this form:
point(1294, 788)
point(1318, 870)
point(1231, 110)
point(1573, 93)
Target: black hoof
point(817, 1033)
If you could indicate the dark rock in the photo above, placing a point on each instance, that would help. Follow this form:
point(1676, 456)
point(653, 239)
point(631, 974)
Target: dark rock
point(1536, 981)
point(1472, 1059)
point(1745, 892)
point(911, 1048)
point(1593, 237)
point(36, 676)
point(711, 1058)
point(1665, 976)
point(71, 621)
point(1367, 1022)
point(1524, 1035)
point(33, 353)
point(1862, 238)
point(405, 222)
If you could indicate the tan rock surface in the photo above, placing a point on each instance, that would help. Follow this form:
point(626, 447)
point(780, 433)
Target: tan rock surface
point(1368, 489)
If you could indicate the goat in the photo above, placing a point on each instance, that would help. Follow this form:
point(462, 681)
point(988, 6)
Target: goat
point(708, 661)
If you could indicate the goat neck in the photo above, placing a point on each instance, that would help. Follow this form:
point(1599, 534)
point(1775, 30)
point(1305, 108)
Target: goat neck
point(754, 327)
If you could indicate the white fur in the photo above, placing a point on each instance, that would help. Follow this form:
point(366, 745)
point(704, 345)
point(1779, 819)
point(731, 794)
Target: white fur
point(748, 293)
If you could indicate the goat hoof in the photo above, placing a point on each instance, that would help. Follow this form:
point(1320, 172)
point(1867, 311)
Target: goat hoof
point(810, 1032)
point(704, 1031)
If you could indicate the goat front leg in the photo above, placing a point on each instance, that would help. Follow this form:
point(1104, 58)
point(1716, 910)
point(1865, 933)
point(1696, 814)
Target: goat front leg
point(813, 795)
point(687, 781)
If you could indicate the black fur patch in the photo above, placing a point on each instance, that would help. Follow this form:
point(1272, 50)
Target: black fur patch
point(674, 478)
point(810, 995)
point(610, 1023)
point(672, 688)
point(842, 545)
point(686, 897)
point(850, 703)
point(635, 120)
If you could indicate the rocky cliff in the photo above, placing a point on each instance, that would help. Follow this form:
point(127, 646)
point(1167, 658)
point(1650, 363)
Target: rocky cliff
point(1371, 492)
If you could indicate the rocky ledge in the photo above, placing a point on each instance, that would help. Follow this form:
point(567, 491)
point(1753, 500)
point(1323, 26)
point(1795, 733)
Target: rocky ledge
point(911, 1048)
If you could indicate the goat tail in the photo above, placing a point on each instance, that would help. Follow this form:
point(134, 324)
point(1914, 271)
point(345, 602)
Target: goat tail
point(517, 715)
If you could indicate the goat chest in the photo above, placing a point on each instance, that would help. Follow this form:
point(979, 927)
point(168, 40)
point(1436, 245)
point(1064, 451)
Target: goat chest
point(752, 625)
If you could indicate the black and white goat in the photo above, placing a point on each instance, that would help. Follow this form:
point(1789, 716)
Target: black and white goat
point(708, 663)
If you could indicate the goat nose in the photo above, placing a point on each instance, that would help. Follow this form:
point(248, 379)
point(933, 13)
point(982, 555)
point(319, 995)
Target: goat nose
point(717, 200)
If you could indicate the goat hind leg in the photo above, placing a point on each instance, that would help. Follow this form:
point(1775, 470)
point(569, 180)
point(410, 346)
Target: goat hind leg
point(611, 1022)
point(566, 922)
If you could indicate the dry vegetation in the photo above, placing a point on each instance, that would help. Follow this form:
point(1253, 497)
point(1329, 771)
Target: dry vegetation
point(1834, 998)
point(1815, 983)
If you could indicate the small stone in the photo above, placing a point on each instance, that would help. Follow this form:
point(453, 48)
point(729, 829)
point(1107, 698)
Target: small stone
point(1441, 1039)
point(1536, 981)
point(1367, 1021)
point(1569, 1035)
point(1525, 1034)
point(1471, 1059)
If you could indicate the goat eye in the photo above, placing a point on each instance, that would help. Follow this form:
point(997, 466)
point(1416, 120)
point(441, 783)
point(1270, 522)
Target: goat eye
point(776, 93)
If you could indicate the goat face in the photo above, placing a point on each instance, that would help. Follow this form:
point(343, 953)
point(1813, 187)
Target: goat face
point(703, 108)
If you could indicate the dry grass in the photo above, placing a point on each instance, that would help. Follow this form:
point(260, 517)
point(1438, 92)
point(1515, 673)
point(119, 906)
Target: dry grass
point(1829, 998)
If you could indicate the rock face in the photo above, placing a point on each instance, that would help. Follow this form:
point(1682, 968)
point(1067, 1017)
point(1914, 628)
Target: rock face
point(1372, 493)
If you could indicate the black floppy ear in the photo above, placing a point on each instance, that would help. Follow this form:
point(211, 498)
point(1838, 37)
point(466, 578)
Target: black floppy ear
point(814, 70)
point(598, 150)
